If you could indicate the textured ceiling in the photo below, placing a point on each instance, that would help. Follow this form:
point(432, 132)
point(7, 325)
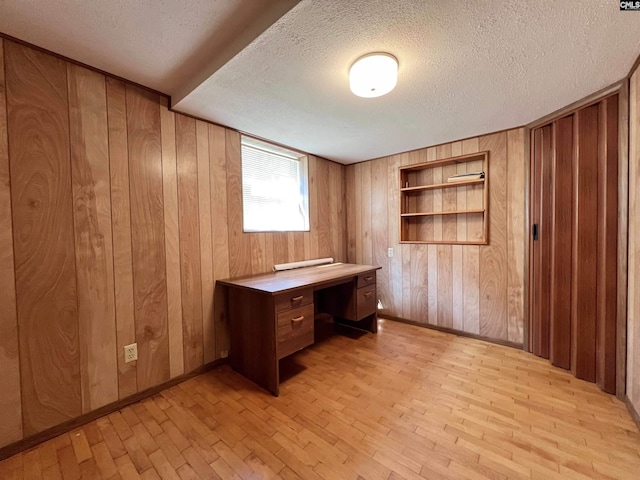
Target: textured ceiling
point(167, 45)
point(466, 67)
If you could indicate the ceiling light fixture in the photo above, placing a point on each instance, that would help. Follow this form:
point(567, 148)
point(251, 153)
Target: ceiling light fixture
point(373, 75)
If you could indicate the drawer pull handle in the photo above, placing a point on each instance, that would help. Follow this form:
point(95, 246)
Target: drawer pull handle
point(367, 294)
point(297, 319)
point(368, 279)
point(297, 299)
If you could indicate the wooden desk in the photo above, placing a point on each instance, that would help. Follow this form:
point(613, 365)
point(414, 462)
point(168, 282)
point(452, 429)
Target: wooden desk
point(272, 315)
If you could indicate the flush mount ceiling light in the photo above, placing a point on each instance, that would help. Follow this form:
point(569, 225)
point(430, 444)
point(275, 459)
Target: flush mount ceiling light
point(373, 75)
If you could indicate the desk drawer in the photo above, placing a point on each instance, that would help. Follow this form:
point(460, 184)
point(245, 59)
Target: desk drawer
point(366, 279)
point(366, 301)
point(295, 330)
point(294, 299)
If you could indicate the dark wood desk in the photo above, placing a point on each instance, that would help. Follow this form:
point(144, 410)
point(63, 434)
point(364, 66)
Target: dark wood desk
point(272, 315)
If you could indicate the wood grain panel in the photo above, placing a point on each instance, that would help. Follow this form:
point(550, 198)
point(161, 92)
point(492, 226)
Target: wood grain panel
point(607, 269)
point(239, 243)
point(313, 236)
point(471, 253)
point(633, 286)
point(93, 239)
point(206, 241)
point(258, 258)
point(357, 227)
point(323, 208)
point(393, 228)
point(380, 230)
point(584, 245)
point(350, 200)
point(10, 396)
point(516, 233)
point(220, 232)
point(42, 213)
point(121, 233)
point(445, 286)
point(406, 262)
point(337, 212)
point(147, 235)
point(447, 232)
point(457, 312)
point(172, 242)
point(419, 268)
point(493, 257)
point(432, 282)
point(187, 162)
point(367, 243)
point(560, 282)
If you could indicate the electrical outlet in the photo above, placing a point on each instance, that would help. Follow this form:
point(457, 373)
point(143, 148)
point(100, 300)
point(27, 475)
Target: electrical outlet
point(389, 252)
point(130, 352)
point(224, 353)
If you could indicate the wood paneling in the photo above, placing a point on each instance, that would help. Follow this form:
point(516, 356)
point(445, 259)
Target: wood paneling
point(93, 240)
point(11, 401)
point(585, 248)
point(190, 268)
point(42, 212)
point(493, 258)
point(633, 287)
point(121, 233)
point(147, 236)
point(172, 241)
point(93, 172)
point(475, 289)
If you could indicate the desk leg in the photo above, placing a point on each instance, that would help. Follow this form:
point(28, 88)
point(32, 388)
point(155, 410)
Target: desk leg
point(253, 337)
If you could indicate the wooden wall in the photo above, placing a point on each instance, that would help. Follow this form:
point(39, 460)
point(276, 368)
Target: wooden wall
point(633, 298)
point(469, 288)
point(116, 218)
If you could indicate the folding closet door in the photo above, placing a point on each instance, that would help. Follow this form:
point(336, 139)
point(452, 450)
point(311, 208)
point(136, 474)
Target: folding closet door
point(573, 254)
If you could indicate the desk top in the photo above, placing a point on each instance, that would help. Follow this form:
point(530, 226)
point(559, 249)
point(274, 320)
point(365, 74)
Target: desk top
point(280, 282)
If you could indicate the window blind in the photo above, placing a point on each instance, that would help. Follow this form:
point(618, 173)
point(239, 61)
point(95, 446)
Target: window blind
point(274, 188)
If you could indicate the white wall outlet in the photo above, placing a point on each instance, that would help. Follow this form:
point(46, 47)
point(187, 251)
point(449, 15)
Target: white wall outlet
point(224, 353)
point(130, 352)
point(389, 252)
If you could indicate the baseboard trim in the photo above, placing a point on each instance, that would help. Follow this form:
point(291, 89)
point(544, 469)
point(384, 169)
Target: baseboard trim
point(505, 343)
point(632, 412)
point(65, 427)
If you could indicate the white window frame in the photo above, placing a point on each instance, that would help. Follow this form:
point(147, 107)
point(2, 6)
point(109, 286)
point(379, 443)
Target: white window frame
point(303, 172)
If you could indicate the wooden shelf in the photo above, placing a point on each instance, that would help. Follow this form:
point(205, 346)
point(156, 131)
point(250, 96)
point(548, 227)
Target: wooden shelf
point(423, 189)
point(465, 183)
point(453, 212)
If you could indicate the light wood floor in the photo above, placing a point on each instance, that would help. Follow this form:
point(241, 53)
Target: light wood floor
point(407, 403)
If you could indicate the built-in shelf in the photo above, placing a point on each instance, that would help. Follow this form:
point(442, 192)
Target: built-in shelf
point(453, 212)
point(424, 190)
point(464, 183)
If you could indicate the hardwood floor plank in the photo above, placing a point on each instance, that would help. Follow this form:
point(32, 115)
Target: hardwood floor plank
point(367, 407)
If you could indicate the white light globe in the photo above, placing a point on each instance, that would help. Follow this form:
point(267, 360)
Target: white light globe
point(373, 75)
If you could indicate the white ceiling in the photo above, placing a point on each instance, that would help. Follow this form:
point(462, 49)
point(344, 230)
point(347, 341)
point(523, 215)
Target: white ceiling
point(466, 68)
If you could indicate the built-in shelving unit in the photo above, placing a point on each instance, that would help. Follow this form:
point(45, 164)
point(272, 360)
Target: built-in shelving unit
point(433, 210)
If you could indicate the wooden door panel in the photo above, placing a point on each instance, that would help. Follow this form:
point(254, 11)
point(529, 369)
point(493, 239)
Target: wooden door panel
point(560, 313)
point(585, 227)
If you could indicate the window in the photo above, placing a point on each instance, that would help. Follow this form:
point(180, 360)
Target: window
point(275, 194)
